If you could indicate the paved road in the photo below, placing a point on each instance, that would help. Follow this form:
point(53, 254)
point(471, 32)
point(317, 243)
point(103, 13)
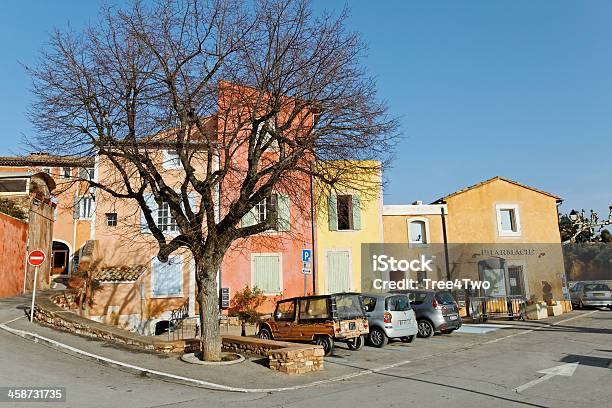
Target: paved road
point(445, 369)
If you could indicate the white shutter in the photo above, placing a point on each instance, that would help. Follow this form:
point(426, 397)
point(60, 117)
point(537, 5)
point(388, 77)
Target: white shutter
point(338, 271)
point(167, 278)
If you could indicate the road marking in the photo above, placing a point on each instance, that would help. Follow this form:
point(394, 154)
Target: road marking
point(193, 381)
point(566, 370)
point(13, 320)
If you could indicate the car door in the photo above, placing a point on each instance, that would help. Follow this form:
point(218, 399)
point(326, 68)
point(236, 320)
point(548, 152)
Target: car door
point(284, 317)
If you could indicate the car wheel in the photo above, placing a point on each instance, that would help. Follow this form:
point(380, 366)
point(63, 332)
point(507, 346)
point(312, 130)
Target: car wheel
point(327, 342)
point(408, 339)
point(356, 343)
point(265, 334)
point(377, 337)
point(426, 329)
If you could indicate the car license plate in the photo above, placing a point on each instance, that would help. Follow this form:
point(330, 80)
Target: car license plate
point(453, 317)
point(352, 326)
point(402, 322)
point(599, 294)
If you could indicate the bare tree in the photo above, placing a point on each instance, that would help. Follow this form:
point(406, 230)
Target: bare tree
point(253, 100)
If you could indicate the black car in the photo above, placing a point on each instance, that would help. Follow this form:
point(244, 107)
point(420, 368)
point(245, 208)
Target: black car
point(436, 311)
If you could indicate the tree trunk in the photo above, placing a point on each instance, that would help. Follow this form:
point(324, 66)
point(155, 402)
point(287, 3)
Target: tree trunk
point(208, 301)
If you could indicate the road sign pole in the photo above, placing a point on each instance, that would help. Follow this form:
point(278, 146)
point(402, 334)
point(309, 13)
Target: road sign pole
point(34, 293)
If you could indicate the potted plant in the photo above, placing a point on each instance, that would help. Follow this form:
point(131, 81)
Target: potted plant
point(245, 305)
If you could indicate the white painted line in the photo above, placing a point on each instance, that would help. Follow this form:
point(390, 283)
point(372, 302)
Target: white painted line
point(13, 320)
point(167, 376)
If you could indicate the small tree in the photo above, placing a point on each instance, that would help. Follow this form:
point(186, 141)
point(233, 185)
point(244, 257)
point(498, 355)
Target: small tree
point(159, 76)
point(245, 305)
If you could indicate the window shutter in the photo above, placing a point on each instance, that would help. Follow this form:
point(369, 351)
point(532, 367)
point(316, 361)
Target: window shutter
point(266, 273)
point(356, 212)
point(76, 210)
point(168, 277)
point(332, 213)
point(150, 200)
point(284, 213)
point(249, 218)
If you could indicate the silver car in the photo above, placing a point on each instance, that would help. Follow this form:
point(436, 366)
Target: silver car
point(585, 294)
point(390, 316)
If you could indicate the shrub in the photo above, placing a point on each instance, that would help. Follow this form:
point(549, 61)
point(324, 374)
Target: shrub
point(10, 208)
point(246, 302)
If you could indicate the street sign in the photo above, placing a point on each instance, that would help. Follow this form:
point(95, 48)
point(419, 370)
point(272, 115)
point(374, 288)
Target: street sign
point(306, 271)
point(306, 255)
point(36, 257)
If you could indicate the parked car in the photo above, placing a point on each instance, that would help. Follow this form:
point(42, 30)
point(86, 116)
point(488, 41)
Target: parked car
point(320, 319)
point(586, 294)
point(390, 316)
point(436, 311)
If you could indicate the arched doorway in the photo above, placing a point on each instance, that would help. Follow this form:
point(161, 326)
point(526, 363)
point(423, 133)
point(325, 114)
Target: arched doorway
point(61, 258)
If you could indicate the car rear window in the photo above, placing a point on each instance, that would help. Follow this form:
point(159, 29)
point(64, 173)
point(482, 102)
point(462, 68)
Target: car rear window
point(398, 304)
point(348, 306)
point(314, 309)
point(445, 298)
point(417, 298)
point(594, 287)
point(369, 303)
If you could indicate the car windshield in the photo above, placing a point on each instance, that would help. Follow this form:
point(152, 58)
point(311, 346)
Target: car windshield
point(594, 287)
point(348, 306)
point(445, 298)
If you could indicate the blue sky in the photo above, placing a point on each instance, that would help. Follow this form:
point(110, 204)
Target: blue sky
point(521, 89)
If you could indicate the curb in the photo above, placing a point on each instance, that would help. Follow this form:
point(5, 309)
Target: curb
point(142, 371)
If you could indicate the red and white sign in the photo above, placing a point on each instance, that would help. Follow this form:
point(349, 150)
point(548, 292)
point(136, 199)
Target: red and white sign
point(36, 257)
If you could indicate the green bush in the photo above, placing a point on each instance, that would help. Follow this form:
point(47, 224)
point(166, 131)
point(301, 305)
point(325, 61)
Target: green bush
point(10, 208)
point(245, 304)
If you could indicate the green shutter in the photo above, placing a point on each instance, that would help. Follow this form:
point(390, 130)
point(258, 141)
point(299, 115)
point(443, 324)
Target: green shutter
point(76, 208)
point(266, 273)
point(356, 212)
point(338, 271)
point(284, 213)
point(332, 213)
point(249, 218)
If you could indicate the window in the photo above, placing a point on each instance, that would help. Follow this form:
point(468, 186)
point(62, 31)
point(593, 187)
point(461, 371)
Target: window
point(314, 309)
point(417, 298)
point(344, 211)
point(111, 219)
point(516, 280)
point(266, 138)
point(171, 160)
point(165, 220)
point(86, 173)
point(262, 210)
point(285, 311)
point(421, 276)
point(398, 304)
point(13, 186)
point(508, 220)
point(167, 278)
point(266, 272)
point(83, 208)
point(369, 303)
point(417, 231)
point(66, 172)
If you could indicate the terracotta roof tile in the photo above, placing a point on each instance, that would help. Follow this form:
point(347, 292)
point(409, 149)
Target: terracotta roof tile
point(120, 273)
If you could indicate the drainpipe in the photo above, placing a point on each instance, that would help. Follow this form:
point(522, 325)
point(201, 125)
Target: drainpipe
point(312, 231)
point(448, 277)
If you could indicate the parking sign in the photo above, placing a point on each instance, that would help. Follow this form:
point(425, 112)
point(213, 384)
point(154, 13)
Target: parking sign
point(306, 255)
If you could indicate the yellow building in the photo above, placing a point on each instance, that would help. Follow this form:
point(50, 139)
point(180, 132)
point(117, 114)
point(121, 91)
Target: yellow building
point(346, 219)
point(498, 230)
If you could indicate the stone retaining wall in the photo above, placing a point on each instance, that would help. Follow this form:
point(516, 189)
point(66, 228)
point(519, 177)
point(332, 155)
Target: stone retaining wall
point(290, 358)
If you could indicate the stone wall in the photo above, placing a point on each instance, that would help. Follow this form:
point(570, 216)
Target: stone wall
point(290, 358)
point(13, 242)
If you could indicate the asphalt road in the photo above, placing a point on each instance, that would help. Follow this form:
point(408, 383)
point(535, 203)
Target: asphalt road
point(445, 370)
